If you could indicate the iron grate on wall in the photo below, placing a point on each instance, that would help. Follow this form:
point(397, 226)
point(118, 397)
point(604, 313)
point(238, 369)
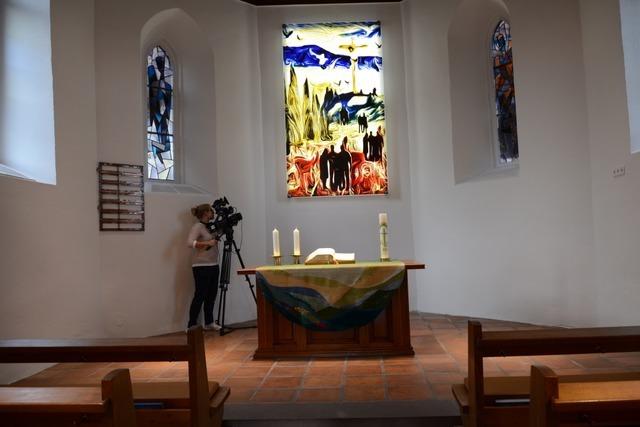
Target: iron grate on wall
point(121, 197)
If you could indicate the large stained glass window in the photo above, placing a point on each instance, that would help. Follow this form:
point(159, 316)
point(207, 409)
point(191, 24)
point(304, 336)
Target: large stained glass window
point(505, 93)
point(334, 109)
point(160, 150)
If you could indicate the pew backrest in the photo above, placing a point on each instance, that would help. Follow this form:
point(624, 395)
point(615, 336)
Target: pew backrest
point(537, 342)
point(556, 403)
point(188, 348)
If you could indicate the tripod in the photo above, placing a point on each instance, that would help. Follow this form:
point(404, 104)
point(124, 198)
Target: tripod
point(225, 274)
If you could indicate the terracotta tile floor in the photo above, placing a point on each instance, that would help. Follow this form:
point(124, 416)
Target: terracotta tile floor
point(440, 343)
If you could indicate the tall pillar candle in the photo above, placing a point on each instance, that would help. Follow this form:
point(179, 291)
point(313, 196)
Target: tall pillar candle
point(276, 242)
point(296, 242)
point(384, 244)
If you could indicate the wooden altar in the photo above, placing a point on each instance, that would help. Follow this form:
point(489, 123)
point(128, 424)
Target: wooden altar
point(387, 335)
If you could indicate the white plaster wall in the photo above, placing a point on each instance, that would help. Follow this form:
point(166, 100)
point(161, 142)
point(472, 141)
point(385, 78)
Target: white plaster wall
point(615, 200)
point(50, 276)
point(239, 139)
point(149, 293)
point(507, 247)
point(346, 224)
point(630, 32)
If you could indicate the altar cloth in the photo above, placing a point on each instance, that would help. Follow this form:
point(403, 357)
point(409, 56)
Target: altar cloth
point(331, 297)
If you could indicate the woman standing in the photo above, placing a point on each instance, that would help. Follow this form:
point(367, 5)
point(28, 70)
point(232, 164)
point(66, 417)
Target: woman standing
point(204, 263)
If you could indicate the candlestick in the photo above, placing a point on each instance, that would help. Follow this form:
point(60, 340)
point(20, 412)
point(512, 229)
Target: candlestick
point(296, 242)
point(277, 260)
point(296, 259)
point(276, 243)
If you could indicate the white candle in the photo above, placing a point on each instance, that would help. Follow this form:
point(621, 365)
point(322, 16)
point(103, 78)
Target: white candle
point(276, 242)
point(384, 245)
point(296, 242)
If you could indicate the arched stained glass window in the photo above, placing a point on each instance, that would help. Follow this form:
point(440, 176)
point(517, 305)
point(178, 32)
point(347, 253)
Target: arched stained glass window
point(160, 132)
point(504, 93)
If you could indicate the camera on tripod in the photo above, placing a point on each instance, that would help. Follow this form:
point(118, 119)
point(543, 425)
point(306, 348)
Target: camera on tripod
point(227, 217)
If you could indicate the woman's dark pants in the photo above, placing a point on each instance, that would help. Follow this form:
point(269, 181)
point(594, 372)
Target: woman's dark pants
point(206, 279)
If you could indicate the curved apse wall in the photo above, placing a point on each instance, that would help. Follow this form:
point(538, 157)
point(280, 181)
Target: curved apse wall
point(472, 90)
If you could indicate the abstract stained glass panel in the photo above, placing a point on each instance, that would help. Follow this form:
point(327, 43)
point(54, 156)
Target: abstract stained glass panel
point(505, 93)
point(334, 109)
point(160, 150)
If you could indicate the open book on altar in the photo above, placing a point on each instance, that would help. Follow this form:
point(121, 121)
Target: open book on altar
point(329, 256)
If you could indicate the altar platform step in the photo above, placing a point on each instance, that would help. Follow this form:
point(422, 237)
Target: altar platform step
point(424, 413)
point(383, 422)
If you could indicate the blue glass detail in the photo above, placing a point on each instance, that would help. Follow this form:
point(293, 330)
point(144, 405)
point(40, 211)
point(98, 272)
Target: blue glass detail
point(160, 115)
point(315, 56)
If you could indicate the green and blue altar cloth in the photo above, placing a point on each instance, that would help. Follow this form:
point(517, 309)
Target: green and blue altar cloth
point(331, 297)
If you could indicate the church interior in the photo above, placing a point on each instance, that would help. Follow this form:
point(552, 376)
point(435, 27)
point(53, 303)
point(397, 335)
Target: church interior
point(510, 242)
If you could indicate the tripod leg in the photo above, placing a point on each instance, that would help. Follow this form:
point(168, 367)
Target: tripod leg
point(246, 276)
point(223, 303)
point(225, 279)
point(223, 296)
point(224, 286)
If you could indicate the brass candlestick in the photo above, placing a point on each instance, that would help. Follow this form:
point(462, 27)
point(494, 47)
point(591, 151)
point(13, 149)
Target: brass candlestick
point(296, 259)
point(277, 260)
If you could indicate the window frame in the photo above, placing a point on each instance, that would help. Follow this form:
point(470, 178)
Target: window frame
point(28, 155)
point(178, 149)
point(495, 146)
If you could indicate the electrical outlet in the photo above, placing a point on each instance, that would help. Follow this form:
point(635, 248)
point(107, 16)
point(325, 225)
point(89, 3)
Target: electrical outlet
point(619, 171)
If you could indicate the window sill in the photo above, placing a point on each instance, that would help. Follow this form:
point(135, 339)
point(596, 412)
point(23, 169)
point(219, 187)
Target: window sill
point(10, 172)
point(172, 188)
point(501, 171)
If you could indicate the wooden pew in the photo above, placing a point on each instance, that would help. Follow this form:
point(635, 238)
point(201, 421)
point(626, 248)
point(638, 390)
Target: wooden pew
point(197, 403)
point(110, 405)
point(498, 401)
point(583, 403)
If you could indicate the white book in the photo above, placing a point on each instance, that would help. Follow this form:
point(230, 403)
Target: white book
point(329, 256)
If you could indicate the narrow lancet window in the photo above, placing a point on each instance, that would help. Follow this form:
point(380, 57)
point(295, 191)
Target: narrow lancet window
point(505, 97)
point(160, 131)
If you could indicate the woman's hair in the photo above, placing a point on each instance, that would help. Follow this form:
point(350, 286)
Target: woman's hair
point(199, 210)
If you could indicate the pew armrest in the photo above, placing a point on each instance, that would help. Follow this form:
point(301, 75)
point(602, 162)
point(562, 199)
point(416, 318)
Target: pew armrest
point(461, 394)
point(112, 403)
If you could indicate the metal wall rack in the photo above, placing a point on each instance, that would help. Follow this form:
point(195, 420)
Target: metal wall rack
point(121, 197)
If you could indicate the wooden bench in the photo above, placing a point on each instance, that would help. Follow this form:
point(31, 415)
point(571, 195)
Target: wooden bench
point(498, 401)
point(196, 403)
point(109, 405)
point(583, 403)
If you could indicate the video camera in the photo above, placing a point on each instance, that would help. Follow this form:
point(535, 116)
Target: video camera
point(226, 218)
